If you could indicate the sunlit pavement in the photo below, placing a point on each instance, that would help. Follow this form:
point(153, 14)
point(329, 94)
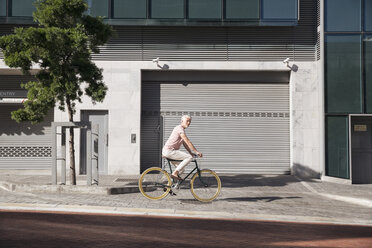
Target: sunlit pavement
point(243, 197)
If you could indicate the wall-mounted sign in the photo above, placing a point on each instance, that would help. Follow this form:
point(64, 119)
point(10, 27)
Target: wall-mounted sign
point(360, 128)
point(13, 93)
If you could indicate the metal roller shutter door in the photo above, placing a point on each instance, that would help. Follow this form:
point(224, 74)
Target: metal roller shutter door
point(239, 127)
point(23, 145)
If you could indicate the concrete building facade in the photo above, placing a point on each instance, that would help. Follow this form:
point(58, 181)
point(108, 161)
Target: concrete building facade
point(224, 63)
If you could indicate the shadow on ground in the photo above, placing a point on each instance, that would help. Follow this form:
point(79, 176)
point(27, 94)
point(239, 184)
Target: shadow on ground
point(247, 180)
point(240, 199)
point(256, 199)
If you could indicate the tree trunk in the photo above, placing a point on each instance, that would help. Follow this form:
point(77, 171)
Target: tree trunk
point(72, 146)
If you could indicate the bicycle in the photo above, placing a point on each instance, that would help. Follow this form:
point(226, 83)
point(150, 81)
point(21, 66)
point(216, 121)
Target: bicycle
point(155, 183)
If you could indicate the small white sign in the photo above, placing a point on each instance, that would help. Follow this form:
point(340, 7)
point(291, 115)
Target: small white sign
point(360, 128)
point(12, 93)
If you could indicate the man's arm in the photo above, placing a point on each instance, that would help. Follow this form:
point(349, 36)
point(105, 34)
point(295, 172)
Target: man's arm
point(189, 146)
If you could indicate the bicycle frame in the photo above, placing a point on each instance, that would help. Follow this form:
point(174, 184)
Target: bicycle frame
point(195, 168)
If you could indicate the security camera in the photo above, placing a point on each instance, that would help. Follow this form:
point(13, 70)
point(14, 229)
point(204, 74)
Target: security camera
point(286, 61)
point(156, 60)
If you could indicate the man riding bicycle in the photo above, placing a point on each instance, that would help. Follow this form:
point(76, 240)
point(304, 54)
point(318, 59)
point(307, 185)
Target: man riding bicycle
point(173, 144)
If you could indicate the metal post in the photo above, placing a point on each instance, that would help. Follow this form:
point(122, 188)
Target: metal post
point(64, 126)
point(63, 158)
point(89, 156)
point(54, 154)
point(95, 132)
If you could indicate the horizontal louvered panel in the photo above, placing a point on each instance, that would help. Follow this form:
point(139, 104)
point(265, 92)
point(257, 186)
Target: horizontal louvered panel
point(249, 43)
point(8, 29)
point(25, 163)
point(216, 97)
point(217, 43)
point(239, 127)
point(23, 145)
point(13, 82)
point(246, 145)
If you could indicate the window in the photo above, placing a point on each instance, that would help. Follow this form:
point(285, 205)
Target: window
point(2, 7)
point(283, 9)
point(22, 7)
point(368, 15)
point(167, 9)
point(130, 9)
point(242, 9)
point(337, 156)
point(206, 9)
point(98, 8)
point(343, 73)
point(343, 15)
point(368, 72)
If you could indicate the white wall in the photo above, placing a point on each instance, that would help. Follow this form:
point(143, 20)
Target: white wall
point(123, 101)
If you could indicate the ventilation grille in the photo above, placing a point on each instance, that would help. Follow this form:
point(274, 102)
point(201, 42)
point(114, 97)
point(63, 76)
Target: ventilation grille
point(318, 47)
point(318, 12)
point(26, 151)
point(217, 114)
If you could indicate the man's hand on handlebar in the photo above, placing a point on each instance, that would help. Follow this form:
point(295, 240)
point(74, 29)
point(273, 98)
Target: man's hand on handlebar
point(198, 154)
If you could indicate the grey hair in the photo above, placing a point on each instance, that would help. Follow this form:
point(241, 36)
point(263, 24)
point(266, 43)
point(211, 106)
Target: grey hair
point(184, 117)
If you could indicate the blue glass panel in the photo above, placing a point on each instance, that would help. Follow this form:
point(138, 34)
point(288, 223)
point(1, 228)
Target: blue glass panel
point(242, 9)
point(368, 15)
point(206, 9)
point(22, 7)
point(343, 73)
point(368, 72)
point(342, 15)
point(167, 9)
point(279, 9)
point(98, 8)
point(337, 152)
point(2, 7)
point(129, 8)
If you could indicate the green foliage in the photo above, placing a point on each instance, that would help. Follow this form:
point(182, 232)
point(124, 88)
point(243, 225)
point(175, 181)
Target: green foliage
point(61, 45)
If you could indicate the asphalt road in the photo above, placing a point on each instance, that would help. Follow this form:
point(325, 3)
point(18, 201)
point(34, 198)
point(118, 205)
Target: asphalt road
point(37, 229)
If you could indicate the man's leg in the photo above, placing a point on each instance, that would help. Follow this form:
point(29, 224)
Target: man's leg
point(178, 155)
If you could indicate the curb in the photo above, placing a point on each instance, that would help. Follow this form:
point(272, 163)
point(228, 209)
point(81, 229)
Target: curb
point(119, 211)
point(94, 189)
point(353, 200)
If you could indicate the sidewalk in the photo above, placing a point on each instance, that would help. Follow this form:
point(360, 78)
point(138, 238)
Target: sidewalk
point(263, 197)
point(108, 184)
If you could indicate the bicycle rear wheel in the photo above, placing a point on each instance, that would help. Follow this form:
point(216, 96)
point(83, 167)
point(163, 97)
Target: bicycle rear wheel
point(155, 183)
point(206, 186)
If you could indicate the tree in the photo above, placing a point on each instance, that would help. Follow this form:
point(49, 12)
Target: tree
point(61, 46)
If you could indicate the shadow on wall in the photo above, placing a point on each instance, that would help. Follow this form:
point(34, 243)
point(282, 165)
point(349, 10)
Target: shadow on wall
point(11, 127)
point(304, 172)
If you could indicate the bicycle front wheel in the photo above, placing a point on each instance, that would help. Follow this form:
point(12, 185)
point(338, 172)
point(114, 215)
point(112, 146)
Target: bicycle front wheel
point(155, 183)
point(205, 186)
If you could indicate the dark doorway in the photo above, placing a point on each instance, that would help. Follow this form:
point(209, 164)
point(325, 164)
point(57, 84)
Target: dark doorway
point(361, 149)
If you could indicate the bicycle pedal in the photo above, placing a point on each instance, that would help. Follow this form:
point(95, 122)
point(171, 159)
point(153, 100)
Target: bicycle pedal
point(172, 193)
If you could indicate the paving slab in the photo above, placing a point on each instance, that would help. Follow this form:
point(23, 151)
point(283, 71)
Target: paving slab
point(280, 197)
